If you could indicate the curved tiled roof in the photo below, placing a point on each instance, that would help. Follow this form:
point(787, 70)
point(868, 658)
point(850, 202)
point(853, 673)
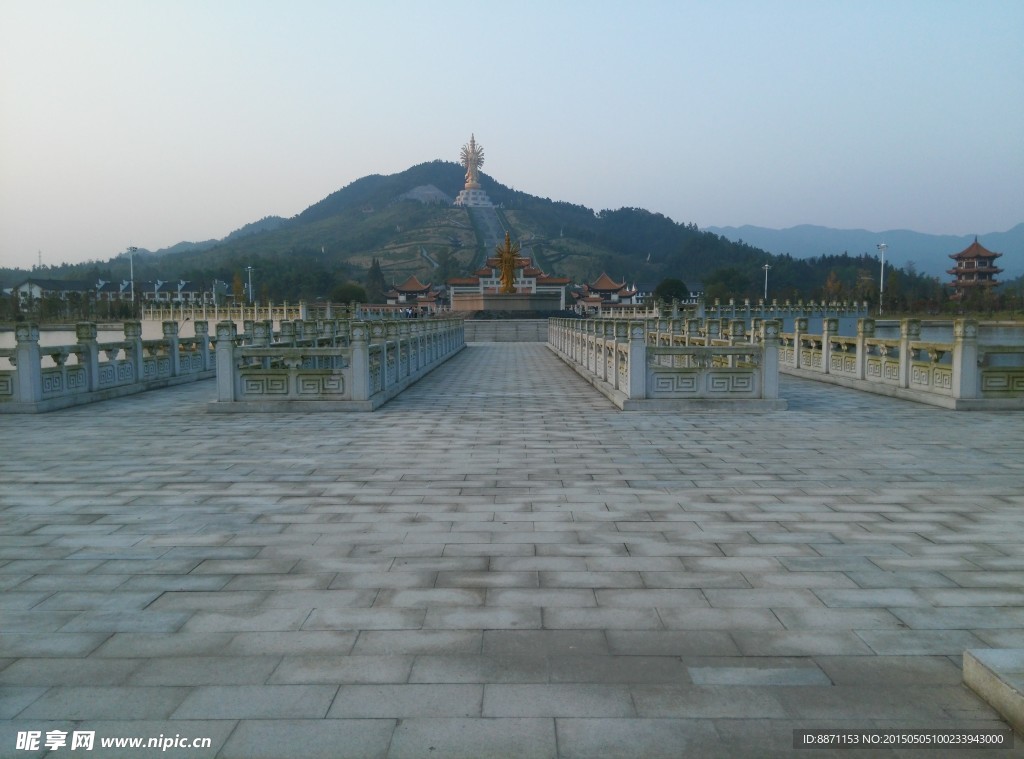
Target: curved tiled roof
point(974, 250)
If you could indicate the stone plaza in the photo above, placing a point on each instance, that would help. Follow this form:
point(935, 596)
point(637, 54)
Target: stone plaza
point(500, 563)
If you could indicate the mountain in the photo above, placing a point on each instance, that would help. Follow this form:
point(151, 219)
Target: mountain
point(406, 222)
point(929, 253)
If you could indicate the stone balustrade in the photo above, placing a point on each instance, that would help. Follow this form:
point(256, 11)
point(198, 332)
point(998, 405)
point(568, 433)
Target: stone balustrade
point(89, 371)
point(327, 366)
point(963, 364)
point(673, 364)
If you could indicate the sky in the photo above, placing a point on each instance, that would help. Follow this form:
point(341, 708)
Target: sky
point(146, 122)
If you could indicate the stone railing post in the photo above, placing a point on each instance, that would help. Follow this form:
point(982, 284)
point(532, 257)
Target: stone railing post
point(288, 333)
point(865, 331)
point(202, 330)
point(770, 359)
point(173, 349)
point(910, 330)
point(227, 367)
point(799, 330)
point(89, 355)
point(133, 336)
point(637, 376)
point(28, 363)
point(360, 363)
point(829, 329)
point(378, 336)
point(692, 332)
point(965, 358)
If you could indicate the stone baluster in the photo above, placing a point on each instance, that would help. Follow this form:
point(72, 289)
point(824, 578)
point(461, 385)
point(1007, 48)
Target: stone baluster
point(965, 359)
point(28, 362)
point(170, 330)
point(360, 363)
point(770, 358)
point(865, 331)
point(910, 330)
point(693, 332)
point(88, 354)
point(799, 330)
point(829, 330)
point(227, 368)
point(378, 335)
point(202, 330)
point(637, 376)
point(288, 333)
point(133, 337)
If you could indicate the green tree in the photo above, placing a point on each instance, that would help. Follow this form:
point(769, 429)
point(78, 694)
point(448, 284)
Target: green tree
point(348, 292)
point(671, 289)
point(376, 285)
point(726, 283)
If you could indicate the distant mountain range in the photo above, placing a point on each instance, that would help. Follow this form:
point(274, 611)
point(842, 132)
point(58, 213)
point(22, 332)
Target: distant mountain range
point(929, 253)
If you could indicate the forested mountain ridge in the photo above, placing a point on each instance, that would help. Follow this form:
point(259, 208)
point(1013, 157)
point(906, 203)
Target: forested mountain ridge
point(336, 239)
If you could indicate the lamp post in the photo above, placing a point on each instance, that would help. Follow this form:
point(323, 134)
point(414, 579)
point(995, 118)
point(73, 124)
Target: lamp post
point(881, 281)
point(131, 275)
point(249, 269)
point(766, 267)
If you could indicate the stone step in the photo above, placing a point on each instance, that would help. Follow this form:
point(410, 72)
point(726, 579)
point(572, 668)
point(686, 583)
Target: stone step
point(997, 675)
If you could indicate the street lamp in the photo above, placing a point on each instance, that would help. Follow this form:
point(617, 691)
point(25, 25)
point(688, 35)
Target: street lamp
point(249, 269)
point(131, 276)
point(766, 267)
point(881, 281)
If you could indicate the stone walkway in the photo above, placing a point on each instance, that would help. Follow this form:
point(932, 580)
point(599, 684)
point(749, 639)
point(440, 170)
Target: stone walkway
point(500, 564)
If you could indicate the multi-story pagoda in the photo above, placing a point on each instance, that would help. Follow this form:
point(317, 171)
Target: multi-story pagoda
point(975, 270)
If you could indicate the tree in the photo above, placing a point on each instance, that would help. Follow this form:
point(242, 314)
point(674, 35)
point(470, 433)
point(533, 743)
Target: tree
point(375, 283)
point(671, 289)
point(833, 289)
point(726, 283)
point(348, 292)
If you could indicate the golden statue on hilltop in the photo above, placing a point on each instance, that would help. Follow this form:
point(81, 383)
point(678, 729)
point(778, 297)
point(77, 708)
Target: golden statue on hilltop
point(508, 259)
point(472, 159)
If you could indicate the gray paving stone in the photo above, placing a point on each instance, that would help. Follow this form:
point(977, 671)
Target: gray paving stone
point(52, 672)
point(866, 544)
point(256, 702)
point(337, 669)
point(524, 738)
point(418, 642)
point(204, 670)
point(557, 700)
point(105, 702)
point(314, 738)
point(407, 701)
point(671, 643)
point(634, 738)
point(473, 668)
point(545, 642)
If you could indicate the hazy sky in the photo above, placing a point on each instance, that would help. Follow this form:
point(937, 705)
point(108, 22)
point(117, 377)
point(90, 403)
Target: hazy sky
point(148, 122)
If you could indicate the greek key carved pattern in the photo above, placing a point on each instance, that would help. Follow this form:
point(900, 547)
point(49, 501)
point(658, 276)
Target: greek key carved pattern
point(730, 383)
point(272, 384)
point(670, 384)
point(995, 381)
point(333, 384)
point(6, 385)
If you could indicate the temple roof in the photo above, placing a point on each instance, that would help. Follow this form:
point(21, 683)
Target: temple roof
point(604, 283)
point(974, 250)
point(412, 285)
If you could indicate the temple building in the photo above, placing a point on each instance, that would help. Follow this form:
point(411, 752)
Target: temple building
point(536, 290)
point(975, 270)
point(605, 292)
point(421, 298)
